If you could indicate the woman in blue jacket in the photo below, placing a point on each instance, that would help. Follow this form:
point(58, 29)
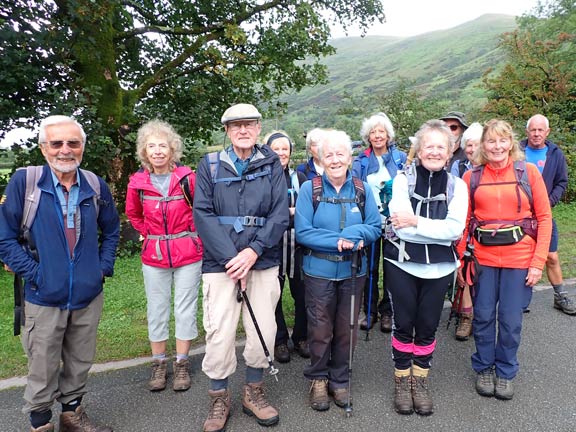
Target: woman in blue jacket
point(377, 165)
point(332, 231)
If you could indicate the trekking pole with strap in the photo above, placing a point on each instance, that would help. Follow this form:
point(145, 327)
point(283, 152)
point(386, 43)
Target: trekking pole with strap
point(355, 258)
point(242, 295)
point(457, 293)
point(370, 282)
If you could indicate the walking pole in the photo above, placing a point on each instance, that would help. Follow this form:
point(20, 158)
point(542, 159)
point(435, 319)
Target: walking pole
point(242, 295)
point(355, 256)
point(370, 281)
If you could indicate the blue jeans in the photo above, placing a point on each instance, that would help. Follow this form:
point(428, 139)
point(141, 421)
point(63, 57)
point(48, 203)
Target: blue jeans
point(498, 299)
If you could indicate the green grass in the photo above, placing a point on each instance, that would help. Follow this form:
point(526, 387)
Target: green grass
point(123, 332)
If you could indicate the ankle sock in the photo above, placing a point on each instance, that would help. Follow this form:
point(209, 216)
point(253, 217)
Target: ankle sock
point(72, 405)
point(558, 289)
point(466, 310)
point(419, 372)
point(401, 372)
point(254, 375)
point(40, 418)
point(218, 384)
point(181, 357)
point(161, 356)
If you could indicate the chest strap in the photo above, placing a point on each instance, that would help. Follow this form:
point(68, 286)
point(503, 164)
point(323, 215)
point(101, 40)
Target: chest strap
point(158, 238)
point(239, 222)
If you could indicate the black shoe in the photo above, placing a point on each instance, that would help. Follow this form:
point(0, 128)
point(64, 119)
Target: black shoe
point(364, 323)
point(302, 348)
point(282, 353)
point(386, 324)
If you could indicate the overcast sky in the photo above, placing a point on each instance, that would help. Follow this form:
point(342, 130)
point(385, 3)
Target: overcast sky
point(412, 17)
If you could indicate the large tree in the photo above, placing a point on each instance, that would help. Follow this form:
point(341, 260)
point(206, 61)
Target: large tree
point(115, 63)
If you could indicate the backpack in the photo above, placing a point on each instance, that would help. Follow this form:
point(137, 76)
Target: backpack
point(31, 201)
point(359, 199)
point(214, 161)
point(186, 193)
point(411, 175)
point(522, 183)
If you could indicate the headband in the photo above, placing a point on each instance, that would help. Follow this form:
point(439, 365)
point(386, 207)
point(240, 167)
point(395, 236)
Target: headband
point(277, 135)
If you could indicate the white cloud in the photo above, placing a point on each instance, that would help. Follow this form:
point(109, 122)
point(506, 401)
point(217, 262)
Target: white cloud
point(16, 136)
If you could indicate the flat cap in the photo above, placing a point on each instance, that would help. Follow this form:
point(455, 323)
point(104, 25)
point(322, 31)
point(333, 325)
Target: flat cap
point(456, 115)
point(240, 112)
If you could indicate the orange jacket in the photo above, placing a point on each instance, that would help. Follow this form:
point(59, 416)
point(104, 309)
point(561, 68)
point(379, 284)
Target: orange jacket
point(500, 201)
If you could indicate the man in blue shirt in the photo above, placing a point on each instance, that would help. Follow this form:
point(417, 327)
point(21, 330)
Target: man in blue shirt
point(551, 162)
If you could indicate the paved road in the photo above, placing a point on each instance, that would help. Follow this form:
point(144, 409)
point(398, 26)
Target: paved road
point(545, 397)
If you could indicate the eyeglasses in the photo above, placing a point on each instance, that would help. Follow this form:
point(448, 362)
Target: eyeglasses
point(236, 126)
point(73, 144)
point(454, 127)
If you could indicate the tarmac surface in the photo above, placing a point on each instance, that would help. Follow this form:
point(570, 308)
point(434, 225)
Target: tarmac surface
point(545, 398)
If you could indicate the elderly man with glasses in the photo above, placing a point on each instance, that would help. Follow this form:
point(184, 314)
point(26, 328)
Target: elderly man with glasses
point(241, 213)
point(71, 247)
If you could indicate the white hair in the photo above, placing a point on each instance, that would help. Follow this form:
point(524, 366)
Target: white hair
point(56, 120)
point(334, 137)
point(474, 133)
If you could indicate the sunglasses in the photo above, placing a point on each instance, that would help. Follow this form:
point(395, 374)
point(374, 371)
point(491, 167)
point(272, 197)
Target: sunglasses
point(73, 144)
point(454, 127)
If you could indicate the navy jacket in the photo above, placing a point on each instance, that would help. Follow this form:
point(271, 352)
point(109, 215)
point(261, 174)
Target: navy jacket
point(58, 279)
point(555, 172)
point(308, 169)
point(263, 196)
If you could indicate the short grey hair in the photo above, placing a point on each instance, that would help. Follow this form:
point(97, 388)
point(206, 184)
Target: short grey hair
point(474, 133)
point(57, 120)
point(155, 128)
point(536, 116)
point(379, 119)
point(313, 136)
point(430, 126)
point(334, 137)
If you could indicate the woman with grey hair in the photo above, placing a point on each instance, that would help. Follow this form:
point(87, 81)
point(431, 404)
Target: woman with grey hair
point(159, 207)
point(377, 165)
point(313, 167)
point(331, 225)
point(427, 213)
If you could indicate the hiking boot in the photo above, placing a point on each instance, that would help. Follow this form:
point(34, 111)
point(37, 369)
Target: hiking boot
point(319, 395)
point(564, 303)
point(254, 403)
point(282, 353)
point(157, 380)
point(504, 389)
point(340, 396)
point(421, 396)
point(48, 427)
point(485, 383)
point(302, 348)
point(182, 380)
point(364, 323)
point(386, 323)
point(403, 403)
point(219, 411)
point(78, 421)
point(464, 329)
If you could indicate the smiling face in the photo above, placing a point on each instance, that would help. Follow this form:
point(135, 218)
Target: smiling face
point(281, 146)
point(378, 139)
point(159, 154)
point(470, 148)
point(335, 159)
point(434, 150)
point(497, 149)
point(62, 159)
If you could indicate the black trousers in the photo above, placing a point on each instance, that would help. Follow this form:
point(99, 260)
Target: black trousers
point(375, 251)
point(299, 333)
point(328, 305)
point(417, 305)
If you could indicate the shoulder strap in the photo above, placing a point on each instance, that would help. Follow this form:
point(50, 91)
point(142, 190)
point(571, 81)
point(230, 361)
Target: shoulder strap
point(294, 180)
point(185, 186)
point(32, 196)
point(318, 194)
point(450, 188)
point(360, 194)
point(411, 175)
point(475, 177)
point(523, 181)
point(94, 183)
point(214, 161)
point(317, 191)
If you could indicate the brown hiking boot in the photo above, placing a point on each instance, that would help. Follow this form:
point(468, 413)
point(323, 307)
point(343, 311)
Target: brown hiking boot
point(319, 395)
point(219, 411)
point(403, 395)
point(340, 396)
point(254, 403)
point(464, 329)
point(157, 380)
point(386, 323)
point(48, 427)
point(181, 375)
point(421, 396)
point(78, 421)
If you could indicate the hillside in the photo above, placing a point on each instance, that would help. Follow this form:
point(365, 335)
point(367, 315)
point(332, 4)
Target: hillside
point(446, 63)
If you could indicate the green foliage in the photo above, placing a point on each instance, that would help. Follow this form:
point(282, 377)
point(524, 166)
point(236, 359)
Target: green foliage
point(114, 64)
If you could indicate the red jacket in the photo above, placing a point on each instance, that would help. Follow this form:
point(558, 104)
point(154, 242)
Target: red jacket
point(156, 220)
point(500, 202)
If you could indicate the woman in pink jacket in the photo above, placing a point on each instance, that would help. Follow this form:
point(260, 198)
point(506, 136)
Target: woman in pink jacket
point(159, 207)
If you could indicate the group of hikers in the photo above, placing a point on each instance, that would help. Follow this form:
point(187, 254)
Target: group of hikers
point(462, 208)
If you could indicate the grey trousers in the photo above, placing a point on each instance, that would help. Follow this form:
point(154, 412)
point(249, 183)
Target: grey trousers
point(60, 345)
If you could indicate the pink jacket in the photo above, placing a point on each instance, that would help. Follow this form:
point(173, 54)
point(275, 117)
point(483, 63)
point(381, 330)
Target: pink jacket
point(170, 238)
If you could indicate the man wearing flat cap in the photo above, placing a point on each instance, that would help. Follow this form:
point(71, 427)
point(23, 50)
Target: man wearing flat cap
point(241, 213)
point(456, 121)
